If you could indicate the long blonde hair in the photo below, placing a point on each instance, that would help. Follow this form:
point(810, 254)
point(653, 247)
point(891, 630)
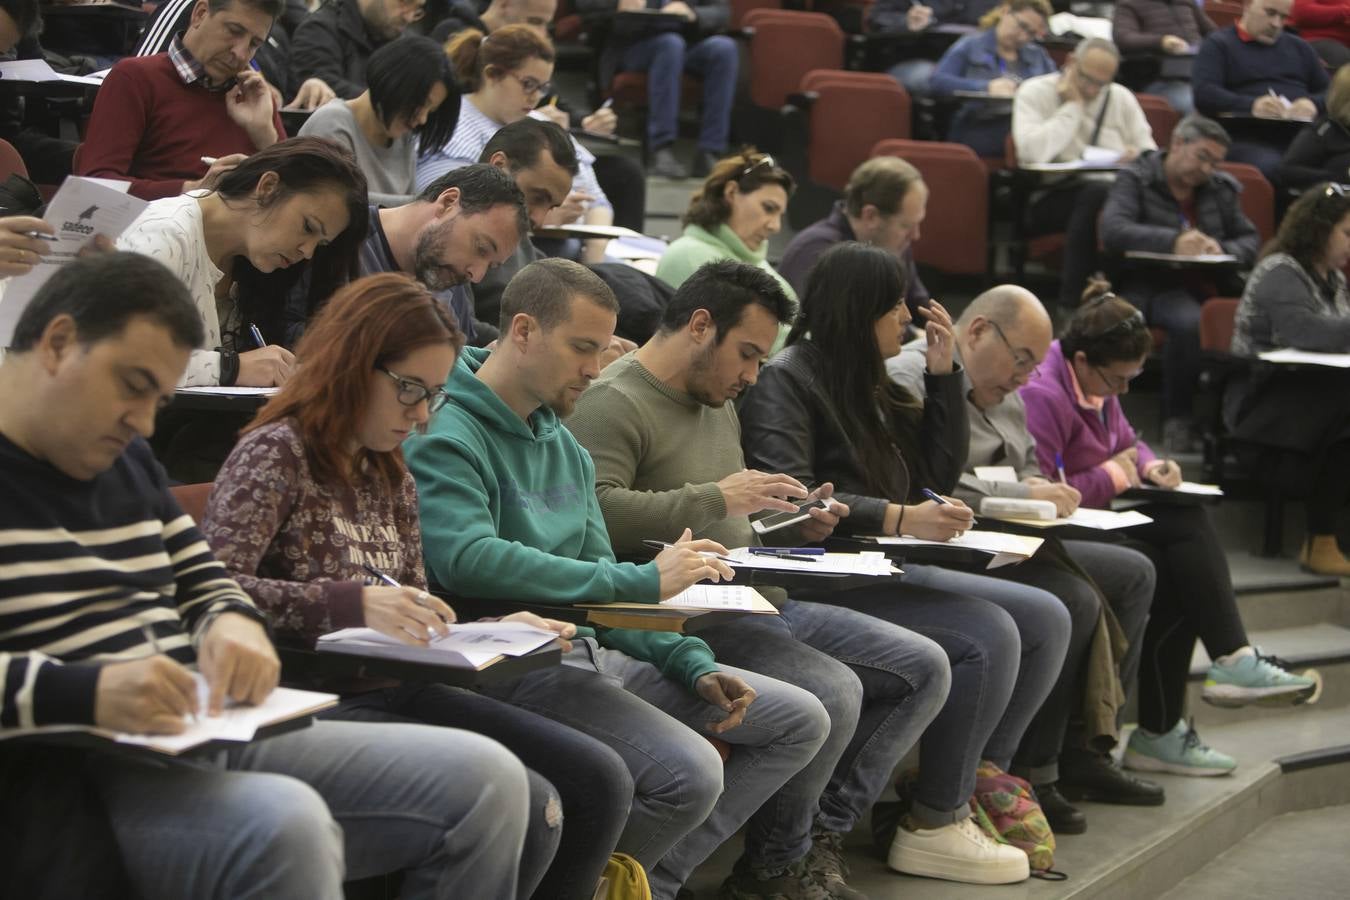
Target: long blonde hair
point(991, 18)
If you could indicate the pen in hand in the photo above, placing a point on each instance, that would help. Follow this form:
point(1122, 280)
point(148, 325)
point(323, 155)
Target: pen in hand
point(257, 335)
point(150, 638)
point(941, 501)
point(1059, 467)
point(662, 545)
point(41, 236)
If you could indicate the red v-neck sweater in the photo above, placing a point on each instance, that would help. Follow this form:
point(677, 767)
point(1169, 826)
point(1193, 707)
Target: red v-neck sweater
point(152, 129)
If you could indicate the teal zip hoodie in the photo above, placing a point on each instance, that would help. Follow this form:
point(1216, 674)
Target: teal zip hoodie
point(509, 511)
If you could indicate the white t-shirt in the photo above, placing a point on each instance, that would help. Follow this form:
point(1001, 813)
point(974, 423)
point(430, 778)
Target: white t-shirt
point(171, 231)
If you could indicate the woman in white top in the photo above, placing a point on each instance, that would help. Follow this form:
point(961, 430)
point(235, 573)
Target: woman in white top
point(508, 72)
point(296, 210)
point(410, 102)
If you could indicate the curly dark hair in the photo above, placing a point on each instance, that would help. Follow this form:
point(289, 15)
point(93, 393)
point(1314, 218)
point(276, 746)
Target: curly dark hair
point(1308, 223)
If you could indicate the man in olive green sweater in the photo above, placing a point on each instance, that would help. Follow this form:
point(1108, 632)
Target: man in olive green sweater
point(508, 510)
point(666, 445)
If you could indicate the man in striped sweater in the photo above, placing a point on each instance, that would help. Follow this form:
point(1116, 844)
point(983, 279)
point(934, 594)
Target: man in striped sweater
point(108, 597)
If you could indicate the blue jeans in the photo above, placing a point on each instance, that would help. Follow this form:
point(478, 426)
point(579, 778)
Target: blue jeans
point(280, 816)
point(1177, 93)
point(881, 686)
point(913, 74)
point(580, 790)
point(1266, 154)
point(1125, 578)
point(665, 58)
point(1176, 310)
point(686, 802)
point(1005, 643)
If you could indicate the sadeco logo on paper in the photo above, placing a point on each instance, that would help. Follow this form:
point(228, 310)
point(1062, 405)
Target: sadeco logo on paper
point(79, 226)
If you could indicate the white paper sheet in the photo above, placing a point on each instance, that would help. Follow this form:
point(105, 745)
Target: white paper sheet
point(1290, 356)
point(865, 563)
point(720, 596)
point(231, 391)
point(236, 723)
point(37, 70)
point(80, 210)
point(478, 642)
point(1005, 549)
point(996, 473)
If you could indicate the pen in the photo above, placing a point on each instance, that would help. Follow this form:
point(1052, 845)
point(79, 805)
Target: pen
point(149, 634)
point(937, 498)
point(41, 236)
point(380, 576)
point(1059, 466)
point(209, 160)
point(607, 104)
point(257, 335)
point(662, 545)
point(796, 554)
point(553, 101)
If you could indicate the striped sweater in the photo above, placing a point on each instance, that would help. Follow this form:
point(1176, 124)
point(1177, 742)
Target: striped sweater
point(83, 565)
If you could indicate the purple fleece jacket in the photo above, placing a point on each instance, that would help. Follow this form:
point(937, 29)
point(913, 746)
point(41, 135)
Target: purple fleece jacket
point(1084, 438)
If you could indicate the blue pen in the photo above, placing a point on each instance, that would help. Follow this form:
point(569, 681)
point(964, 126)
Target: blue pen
point(938, 499)
point(801, 554)
point(257, 335)
point(1059, 467)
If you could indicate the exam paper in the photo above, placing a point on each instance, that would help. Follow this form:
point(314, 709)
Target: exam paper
point(235, 722)
point(80, 210)
point(37, 70)
point(996, 473)
point(720, 596)
point(1100, 519)
point(230, 391)
point(1006, 549)
point(864, 563)
point(478, 642)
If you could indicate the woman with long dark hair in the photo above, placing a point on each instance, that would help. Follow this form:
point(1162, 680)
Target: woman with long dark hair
point(1296, 297)
point(317, 490)
point(824, 410)
point(1074, 413)
point(296, 209)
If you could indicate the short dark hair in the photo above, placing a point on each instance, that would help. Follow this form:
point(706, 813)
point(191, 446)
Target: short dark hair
point(525, 139)
point(883, 182)
point(25, 13)
point(544, 290)
point(725, 288)
point(273, 8)
point(401, 75)
point(481, 187)
point(1308, 223)
point(1107, 328)
point(102, 292)
point(1196, 127)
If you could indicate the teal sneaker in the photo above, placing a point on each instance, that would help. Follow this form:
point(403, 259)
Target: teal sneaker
point(1246, 676)
point(1179, 751)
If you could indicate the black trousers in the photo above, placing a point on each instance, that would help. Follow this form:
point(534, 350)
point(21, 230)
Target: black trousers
point(625, 184)
point(1072, 209)
point(1194, 598)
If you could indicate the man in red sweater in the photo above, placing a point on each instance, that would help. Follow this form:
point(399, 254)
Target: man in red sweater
point(157, 117)
point(1326, 25)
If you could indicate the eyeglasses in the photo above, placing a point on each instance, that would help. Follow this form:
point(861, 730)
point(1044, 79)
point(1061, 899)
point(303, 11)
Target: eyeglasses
point(1023, 362)
point(1117, 383)
point(532, 85)
point(411, 393)
point(1092, 82)
point(765, 160)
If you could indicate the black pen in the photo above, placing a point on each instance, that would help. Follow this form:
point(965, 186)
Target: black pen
point(662, 545)
point(380, 576)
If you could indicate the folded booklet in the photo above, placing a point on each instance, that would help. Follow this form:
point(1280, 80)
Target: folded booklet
point(236, 724)
point(476, 645)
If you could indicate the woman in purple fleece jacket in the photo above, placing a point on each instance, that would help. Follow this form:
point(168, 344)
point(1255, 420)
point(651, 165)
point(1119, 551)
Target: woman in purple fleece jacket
point(1074, 413)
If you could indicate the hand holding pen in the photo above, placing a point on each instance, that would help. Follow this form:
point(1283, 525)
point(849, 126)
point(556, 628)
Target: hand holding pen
point(686, 562)
point(24, 241)
point(412, 616)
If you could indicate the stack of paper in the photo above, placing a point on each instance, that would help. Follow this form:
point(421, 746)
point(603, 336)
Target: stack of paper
point(227, 391)
point(865, 563)
point(477, 643)
point(720, 596)
point(1005, 549)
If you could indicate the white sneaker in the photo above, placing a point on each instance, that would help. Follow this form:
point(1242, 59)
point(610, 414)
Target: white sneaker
point(958, 852)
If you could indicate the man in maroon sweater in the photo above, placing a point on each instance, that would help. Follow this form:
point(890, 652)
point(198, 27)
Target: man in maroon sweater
point(158, 118)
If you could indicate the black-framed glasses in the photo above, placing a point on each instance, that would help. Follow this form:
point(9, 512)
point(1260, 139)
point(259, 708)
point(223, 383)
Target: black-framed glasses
point(411, 393)
point(1023, 362)
point(532, 85)
point(1116, 383)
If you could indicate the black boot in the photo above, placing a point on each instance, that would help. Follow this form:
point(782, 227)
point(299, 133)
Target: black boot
point(1084, 775)
point(1063, 817)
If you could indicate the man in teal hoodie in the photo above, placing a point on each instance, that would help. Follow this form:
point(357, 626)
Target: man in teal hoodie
point(508, 510)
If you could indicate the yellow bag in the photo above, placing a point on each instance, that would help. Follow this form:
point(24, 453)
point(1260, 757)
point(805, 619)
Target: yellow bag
point(624, 879)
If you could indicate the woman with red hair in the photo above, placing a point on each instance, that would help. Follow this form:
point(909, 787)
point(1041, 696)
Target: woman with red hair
point(316, 494)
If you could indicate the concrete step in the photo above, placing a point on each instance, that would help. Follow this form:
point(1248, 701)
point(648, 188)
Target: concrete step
point(1137, 852)
point(1306, 849)
point(1267, 610)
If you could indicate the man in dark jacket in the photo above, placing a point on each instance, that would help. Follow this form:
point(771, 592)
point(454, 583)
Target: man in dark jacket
point(684, 39)
point(1171, 31)
point(335, 42)
point(1176, 202)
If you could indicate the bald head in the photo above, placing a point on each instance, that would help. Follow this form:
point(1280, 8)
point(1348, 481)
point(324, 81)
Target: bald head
point(1003, 335)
